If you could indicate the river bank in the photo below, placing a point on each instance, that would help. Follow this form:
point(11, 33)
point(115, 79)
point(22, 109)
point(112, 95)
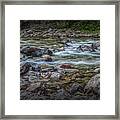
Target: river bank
point(59, 63)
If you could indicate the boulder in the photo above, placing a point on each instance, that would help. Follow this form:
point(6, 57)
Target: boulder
point(49, 52)
point(93, 85)
point(47, 58)
point(24, 68)
point(66, 66)
point(55, 76)
point(61, 94)
point(97, 70)
point(74, 88)
point(33, 86)
point(35, 52)
point(36, 68)
point(28, 50)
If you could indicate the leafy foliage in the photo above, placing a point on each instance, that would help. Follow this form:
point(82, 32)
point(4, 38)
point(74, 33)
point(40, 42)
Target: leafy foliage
point(86, 26)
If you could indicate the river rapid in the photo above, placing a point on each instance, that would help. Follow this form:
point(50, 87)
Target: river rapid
point(61, 73)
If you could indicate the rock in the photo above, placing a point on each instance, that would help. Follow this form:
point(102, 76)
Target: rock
point(47, 58)
point(24, 68)
point(49, 52)
point(33, 86)
point(61, 49)
point(67, 71)
point(23, 86)
point(52, 69)
point(28, 50)
point(37, 53)
point(93, 85)
point(36, 68)
point(61, 94)
point(91, 48)
point(25, 95)
point(80, 48)
point(97, 44)
point(97, 70)
point(33, 69)
point(74, 88)
point(66, 66)
point(46, 75)
point(84, 48)
point(46, 69)
point(55, 76)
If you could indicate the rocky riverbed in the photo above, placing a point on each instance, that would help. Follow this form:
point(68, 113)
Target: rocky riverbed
point(59, 65)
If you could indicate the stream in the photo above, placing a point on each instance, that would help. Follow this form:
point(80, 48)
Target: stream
point(66, 75)
point(71, 55)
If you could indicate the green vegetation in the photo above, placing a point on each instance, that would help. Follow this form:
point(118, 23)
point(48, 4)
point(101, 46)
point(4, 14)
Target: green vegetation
point(84, 26)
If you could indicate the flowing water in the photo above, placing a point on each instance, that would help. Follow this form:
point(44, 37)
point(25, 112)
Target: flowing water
point(62, 83)
point(69, 54)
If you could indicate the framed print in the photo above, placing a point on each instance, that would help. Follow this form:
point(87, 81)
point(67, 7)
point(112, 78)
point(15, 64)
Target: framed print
point(59, 59)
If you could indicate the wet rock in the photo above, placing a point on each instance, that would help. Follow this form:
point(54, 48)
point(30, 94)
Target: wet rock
point(66, 66)
point(84, 48)
point(47, 58)
point(36, 67)
point(49, 52)
point(28, 50)
point(97, 45)
point(61, 49)
point(93, 85)
point(35, 52)
point(90, 48)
